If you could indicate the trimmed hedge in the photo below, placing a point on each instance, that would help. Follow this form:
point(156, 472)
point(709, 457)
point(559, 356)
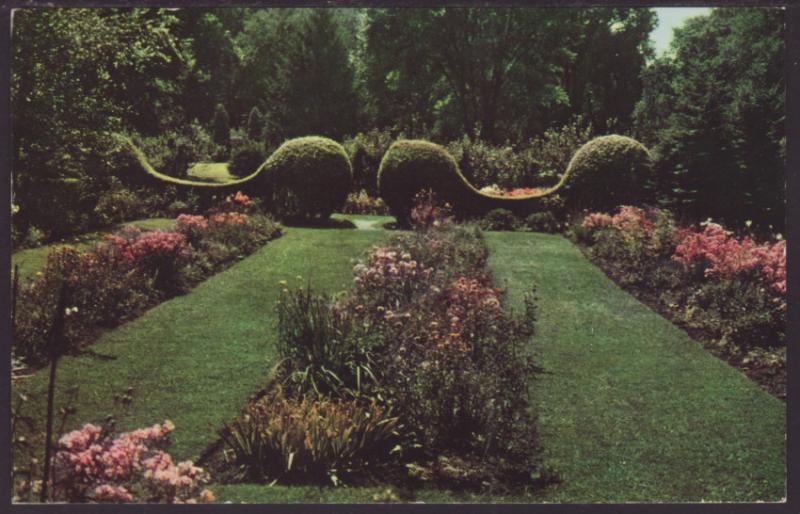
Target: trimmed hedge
point(305, 178)
point(311, 177)
point(246, 159)
point(410, 166)
point(608, 171)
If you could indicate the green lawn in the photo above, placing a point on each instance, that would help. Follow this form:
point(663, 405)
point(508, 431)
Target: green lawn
point(631, 409)
point(211, 171)
point(33, 259)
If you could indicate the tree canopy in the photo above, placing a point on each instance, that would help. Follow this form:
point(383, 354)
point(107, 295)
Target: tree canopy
point(712, 109)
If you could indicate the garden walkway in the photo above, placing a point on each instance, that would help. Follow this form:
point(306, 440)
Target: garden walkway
point(631, 408)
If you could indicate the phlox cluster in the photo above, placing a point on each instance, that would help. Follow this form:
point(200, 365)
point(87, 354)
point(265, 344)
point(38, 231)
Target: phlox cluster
point(724, 255)
point(91, 465)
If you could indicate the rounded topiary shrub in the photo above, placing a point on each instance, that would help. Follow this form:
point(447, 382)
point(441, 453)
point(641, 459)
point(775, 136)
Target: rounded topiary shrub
point(542, 222)
point(499, 219)
point(309, 178)
point(411, 166)
point(608, 171)
point(246, 159)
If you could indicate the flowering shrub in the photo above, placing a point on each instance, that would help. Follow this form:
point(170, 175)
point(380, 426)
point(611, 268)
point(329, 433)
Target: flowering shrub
point(102, 288)
point(228, 218)
point(238, 234)
point(390, 276)
point(90, 465)
point(362, 203)
point(597, 220)
point(493, 189)
point(772, 259)
point(427, 213)
point(193, 227)
point(158, 254)
point(449, 357)
point(721, 254)
point(496, 190)
point(523, 191)
point(226, 235)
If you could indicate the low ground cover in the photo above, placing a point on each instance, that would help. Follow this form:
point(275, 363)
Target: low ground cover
point(727, 290)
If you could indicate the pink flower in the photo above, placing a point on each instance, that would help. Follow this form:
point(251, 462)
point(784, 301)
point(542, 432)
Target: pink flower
point(523, 191)
point(229, 218)
point(91, 466)
point(112, 494)
point(189, 224)
point(726, 256)
point(772, 259)
point(240, 198)
point(597, 220)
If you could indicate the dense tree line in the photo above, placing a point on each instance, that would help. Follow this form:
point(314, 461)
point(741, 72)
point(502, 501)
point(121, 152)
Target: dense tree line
point(501, 75)
point(713, 112)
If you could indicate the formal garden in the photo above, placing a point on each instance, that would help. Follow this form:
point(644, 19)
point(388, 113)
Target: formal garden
point(397, 255)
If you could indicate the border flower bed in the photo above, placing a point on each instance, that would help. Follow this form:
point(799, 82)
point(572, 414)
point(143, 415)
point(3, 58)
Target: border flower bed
point(725, 290)
point(129, 272)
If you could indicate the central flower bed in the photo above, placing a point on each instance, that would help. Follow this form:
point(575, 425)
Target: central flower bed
point(416, 375)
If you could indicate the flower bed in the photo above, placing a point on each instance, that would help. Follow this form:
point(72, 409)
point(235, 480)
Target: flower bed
point(726, 290)
point(127, 273)
point(422, 346)
point(363, 203)
point(512, 193)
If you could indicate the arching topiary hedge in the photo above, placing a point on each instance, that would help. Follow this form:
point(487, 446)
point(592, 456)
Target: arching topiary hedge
point(607, 172)
point(307, 177)
point(311, 177)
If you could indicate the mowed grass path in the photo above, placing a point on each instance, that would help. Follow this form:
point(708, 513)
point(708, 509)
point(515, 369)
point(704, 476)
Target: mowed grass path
point(631, 408)
point(196, 358)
